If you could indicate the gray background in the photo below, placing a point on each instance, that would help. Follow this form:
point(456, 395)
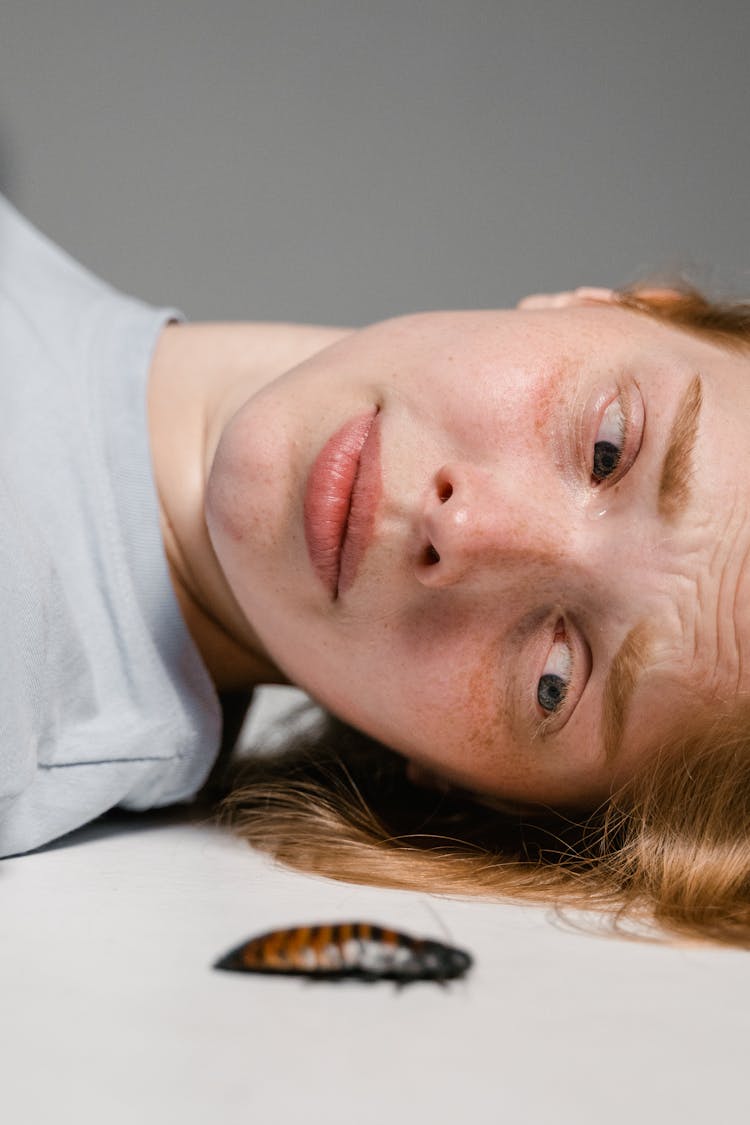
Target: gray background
point(324, 160)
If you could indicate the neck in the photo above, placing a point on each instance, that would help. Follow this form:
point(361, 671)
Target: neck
point(200, 375)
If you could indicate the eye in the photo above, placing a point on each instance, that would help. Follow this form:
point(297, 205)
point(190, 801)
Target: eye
point(610, 441)
point(555, 679)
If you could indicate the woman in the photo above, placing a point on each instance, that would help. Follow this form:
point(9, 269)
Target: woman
point(508, 545)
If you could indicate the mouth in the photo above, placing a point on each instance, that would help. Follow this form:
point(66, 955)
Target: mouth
point(341, 499)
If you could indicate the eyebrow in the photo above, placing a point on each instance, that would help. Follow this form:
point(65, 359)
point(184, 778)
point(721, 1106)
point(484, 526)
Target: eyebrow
point(677, 468)
point(623, 675)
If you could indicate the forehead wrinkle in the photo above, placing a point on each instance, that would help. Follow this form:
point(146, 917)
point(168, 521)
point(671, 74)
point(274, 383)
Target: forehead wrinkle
point(677, 468)
point(624, 673)
point(736, 631)
point(721, 649)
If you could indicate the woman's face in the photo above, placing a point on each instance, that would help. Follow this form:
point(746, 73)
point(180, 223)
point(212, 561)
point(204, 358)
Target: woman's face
point(545, 559)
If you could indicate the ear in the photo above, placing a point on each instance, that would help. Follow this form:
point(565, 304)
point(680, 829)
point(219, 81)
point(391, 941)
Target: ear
point(660, 296)
point(584, 295)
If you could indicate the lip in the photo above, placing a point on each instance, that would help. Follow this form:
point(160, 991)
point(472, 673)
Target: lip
point(341, 499)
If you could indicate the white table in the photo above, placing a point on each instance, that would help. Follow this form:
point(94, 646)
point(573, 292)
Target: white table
point(112, 1013)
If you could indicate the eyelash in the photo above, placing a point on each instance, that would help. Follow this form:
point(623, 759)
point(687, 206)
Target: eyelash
point(568, 668)
point(615, 417)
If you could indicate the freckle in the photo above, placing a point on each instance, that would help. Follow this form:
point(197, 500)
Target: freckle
point(481, 701)
point(546, 397)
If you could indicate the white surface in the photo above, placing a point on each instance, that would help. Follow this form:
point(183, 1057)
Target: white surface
point(112, 1013)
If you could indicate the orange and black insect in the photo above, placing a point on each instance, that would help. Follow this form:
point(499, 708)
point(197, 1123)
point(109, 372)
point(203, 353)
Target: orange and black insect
point(341, 950)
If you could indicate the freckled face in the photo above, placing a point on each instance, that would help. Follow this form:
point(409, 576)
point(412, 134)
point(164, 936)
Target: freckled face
point(515, 538)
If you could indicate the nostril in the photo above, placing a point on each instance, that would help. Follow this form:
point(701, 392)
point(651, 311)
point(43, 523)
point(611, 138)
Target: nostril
point(431, 556)
point(446, 492)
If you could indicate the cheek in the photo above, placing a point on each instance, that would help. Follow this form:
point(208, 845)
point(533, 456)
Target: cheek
point(433, 696)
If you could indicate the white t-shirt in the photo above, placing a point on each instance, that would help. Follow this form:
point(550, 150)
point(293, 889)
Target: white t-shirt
point(104, 697)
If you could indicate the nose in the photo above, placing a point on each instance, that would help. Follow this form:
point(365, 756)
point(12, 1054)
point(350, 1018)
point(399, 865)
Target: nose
point(475, 520)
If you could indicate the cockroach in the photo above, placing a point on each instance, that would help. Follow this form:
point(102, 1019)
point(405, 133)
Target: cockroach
point(340, 950)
